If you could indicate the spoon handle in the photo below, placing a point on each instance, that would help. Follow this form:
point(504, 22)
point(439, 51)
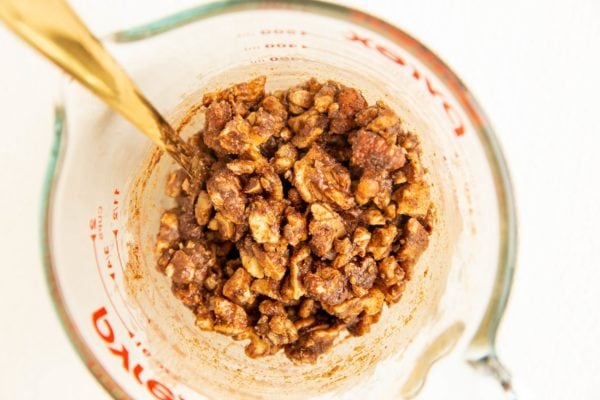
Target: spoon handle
point(53, 28)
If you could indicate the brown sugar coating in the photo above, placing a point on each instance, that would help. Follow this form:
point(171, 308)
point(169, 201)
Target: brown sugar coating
point(309, 215)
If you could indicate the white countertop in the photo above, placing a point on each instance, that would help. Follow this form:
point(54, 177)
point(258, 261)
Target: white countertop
point(535, 68)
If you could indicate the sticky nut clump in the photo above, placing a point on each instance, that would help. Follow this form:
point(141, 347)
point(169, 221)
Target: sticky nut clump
point(310, 215)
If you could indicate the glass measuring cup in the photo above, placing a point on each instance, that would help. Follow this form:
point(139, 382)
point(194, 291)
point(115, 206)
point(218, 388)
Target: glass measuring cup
point(106, 196)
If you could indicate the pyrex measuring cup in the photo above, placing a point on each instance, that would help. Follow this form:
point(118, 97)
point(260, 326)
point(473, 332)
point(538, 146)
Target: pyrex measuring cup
point(106, 194)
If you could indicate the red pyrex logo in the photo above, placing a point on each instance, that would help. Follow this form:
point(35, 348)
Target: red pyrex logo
point(453, 115)
point(105, 331)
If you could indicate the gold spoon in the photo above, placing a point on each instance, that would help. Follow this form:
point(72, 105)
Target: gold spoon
point(53, 28)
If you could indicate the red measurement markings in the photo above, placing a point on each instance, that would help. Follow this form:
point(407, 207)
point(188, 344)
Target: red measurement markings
point(96, 233)
point(451, 112)
point(106, 252)
point(285, 46)
point(283, 58)
point(121, 351)
point(119, 292)
point(274, 31)
point(99, 223)
point(95, 224)
point(106, 249)
point(279, 31)
point(115, 233)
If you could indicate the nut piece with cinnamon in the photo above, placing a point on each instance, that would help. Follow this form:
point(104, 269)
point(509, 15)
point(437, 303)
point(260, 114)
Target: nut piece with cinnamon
point(311, 215)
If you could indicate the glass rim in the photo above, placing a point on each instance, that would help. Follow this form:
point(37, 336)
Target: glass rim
point(481, 351)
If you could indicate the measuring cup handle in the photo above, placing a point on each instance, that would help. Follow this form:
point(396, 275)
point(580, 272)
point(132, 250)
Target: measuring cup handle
point(491, 366)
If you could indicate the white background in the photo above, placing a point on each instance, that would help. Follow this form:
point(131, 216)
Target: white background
point(535, 68)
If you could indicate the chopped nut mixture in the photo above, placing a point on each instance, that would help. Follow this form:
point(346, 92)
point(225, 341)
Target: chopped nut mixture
point(309, 216)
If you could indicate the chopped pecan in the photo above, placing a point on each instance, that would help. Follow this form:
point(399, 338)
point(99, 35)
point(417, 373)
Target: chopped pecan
point(300, 263)
point(264, 218)
point(271, 182)
point(249, 94)
point(188, 227)
point(312, 85)
point(273, 106)
point(363, 324)
point(390, 211)
point(266, 126)
point(204, 318)
point(375, 185)
point(285, 134)
point(307, 127)
point(361, 239)
point(301, 98)
point(361, 276)
point(230, 319)
point(394, 293)
point(242, 96)
point(203, 256)
point(319, 156)
point(189, 294)
point(344, 252)
point(168, 233)
point(294, 198)
point(318, 177)
point(413, 199)
point(226, 228)
point(247, 249)
point(325, 97)
point(372, 217)
point(217, 115)
point(381, 241)
point(386, 124)
point(368, 186)
point(370, 304)
point(413, 170)
point(164, 259)
point(225, 193)
point(273, 258)
point(214, 281)
point(365, 116)
point(266, 287)
point(181, 269)
point(312, 343)
point(238, 137)
point(416, 240)
point(237, 288)
point(303, 324)
point(390, 271)
point(327, 285)
point(203, 208)
point(271, 308)
point(326, 226)
point(279, 330)
point(241, 167)
point(369, 150)
point(259, 347)
point(350, 101)
point(295, 230)
point(285, 157)
point(399, 177)
point(253, 186)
